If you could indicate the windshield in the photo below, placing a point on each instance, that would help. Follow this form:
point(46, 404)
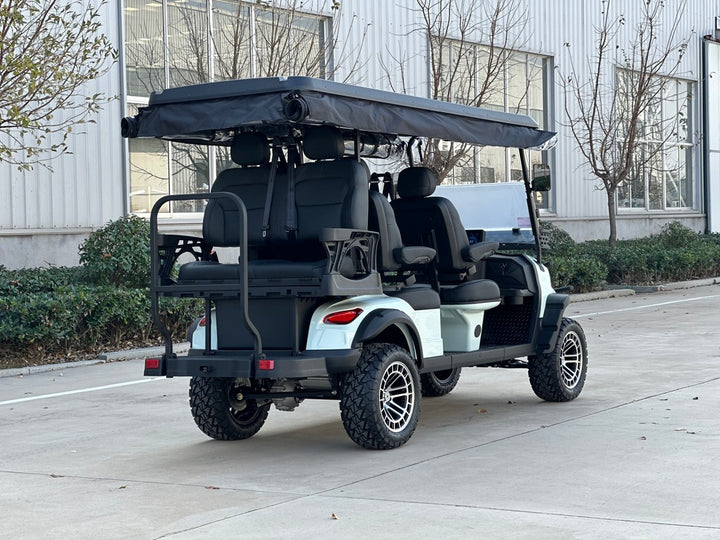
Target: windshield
point(500, 210)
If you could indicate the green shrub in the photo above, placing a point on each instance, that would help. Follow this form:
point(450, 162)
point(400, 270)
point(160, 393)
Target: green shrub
point(87, 318)
point(118, 253)
point(581, 272)
point(556, 239)
point(29, 280)
point(676, 235)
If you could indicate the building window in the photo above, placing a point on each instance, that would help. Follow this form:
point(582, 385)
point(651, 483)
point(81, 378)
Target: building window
point(662, 179)
point(522, 88)
point(173, 43)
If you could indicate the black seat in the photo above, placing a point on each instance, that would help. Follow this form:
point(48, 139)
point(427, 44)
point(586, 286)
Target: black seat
point(331, 217)
point(330, 194)
point(394, 257)
point(435, 222)
point(392, 254)
point(251, 151)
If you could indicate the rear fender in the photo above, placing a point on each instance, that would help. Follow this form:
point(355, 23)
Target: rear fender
point(323, 336)
point(383, 320)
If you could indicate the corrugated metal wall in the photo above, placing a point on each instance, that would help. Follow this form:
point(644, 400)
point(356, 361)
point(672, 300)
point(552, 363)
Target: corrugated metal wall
point(85, 188)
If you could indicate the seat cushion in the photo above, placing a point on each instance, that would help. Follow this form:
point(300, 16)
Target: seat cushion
point(470, 292)
point(418, 296)
point(208, 271)
point(282, 269)
point(211, 272)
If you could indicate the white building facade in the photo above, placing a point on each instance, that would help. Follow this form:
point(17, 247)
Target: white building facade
point(45, 214)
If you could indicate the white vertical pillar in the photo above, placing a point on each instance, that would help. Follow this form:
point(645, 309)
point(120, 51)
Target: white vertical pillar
point(711, 120)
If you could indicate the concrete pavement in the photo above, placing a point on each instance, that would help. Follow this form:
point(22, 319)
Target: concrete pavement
point(99, 452)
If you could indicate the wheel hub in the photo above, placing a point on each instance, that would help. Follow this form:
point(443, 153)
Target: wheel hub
point(396, 396)
point(571, 360)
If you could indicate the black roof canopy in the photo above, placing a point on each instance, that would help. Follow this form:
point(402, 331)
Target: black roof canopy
point(197, 113)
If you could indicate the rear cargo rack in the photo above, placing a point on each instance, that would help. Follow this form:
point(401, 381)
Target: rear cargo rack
point(163, 256)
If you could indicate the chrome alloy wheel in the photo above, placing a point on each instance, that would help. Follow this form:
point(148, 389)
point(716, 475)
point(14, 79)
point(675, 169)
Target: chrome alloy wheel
point(571, 360)
point(397, 396)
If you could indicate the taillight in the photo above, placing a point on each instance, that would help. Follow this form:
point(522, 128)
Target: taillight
point(152, 363)
point(202, 322)
point(266, 365)
point(342, 317)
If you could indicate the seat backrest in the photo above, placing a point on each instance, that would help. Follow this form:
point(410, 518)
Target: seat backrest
point(381, 219)
point(430, 221)
point(331, 191)
point(249, 182)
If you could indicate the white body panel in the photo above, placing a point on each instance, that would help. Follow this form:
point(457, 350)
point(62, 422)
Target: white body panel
point(462, 325)
point(322, 336)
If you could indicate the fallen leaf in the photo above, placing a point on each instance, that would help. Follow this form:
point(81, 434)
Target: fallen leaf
point(53, 475)
point(211, 487)
point(122, 487)
point(334, 516)
point(481, 411)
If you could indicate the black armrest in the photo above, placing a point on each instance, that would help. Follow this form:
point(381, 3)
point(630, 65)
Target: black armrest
point(360, 245)
point(412, 255)
point(329, 234)
point(474, 252)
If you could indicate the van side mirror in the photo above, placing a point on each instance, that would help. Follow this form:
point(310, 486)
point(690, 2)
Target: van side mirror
point(541, 177)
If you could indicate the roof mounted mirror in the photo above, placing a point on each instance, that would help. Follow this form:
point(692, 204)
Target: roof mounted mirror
point(541, 177)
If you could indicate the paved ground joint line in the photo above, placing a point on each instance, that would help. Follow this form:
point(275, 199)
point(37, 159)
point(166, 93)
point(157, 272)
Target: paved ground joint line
point(531, 512)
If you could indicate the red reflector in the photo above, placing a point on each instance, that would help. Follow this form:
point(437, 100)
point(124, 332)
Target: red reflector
point(266, 364)
point(152, 363)
point(202, 322)
point(343, 317)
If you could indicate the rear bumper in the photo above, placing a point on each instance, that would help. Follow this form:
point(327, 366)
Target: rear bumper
point(276, 364)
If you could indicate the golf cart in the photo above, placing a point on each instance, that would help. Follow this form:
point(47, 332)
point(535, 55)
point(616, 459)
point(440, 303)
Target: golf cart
point(352, 286)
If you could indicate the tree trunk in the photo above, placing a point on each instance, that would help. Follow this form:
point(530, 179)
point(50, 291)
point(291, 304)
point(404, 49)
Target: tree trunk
point(612, 216)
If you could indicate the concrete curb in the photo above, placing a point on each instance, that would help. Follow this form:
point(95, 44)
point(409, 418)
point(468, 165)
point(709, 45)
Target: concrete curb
point(599, 295)
point(181, 348)
point(114, 356)
point(613, 291)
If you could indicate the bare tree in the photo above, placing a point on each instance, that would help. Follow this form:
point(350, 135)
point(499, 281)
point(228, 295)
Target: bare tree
point(609, 109)
point(470, 44)
point(49, 49)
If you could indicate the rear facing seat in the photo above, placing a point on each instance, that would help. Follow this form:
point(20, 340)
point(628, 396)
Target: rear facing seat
point(329, 193)
point(249, 182)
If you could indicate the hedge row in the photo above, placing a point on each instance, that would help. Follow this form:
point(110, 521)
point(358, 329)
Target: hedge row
point(676, 254)
point(91, 308)
point(105, 302)
point(81, 317)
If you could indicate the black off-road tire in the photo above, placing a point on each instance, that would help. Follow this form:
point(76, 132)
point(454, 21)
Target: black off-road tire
point(559, 375)
point(217, 412)
point(380, 399)
point(439, 383)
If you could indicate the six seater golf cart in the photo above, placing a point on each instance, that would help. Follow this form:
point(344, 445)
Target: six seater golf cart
point(358, 287)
